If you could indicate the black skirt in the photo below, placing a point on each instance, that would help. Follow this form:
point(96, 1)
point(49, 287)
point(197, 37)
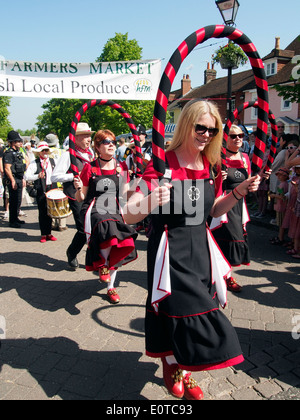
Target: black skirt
point(233, 238)
point(189, 324)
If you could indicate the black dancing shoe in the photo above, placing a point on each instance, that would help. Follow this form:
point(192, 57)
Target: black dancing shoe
point(73, 262)
point(15, 225)
point(21, 222)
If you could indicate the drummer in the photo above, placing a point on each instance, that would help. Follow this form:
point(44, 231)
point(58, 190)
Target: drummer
point(39, 172)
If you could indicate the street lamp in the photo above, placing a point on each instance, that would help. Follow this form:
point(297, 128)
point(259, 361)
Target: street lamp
point(228, 10)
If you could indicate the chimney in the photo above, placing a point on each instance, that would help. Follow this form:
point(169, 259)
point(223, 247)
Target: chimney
point(277, 43)
point(186, 84)
point(210, 74)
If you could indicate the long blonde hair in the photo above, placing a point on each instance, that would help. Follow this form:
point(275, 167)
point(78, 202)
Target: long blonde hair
point(186, 125)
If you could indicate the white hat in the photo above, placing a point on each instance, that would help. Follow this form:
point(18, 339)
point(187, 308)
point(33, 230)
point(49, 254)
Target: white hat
point(41, 146)
point(83, 128)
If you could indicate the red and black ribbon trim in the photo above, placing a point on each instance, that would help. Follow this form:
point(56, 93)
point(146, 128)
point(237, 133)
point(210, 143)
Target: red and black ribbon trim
point(124, 114)
point(161, 104)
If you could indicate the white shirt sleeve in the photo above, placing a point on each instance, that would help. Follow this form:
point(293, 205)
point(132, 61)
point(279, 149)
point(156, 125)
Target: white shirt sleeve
point(60, 171)
point(30, 174)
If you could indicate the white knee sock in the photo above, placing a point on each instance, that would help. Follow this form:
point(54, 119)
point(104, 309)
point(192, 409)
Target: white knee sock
point(105, 254)
point(172, 361)
point(113, 275)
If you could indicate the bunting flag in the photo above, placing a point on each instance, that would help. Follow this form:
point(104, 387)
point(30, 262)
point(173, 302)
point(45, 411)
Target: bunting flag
point(161, 104)
point(124, 114)
point(274, 129)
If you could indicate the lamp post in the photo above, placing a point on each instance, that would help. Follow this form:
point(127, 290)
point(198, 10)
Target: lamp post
point(228, 10)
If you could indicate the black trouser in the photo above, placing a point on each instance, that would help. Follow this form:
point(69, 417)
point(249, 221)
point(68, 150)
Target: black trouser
point(79, 239)
point(45, 221)
point(15, 200)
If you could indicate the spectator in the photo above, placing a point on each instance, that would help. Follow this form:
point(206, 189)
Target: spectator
point(280, 203)
point(290, 220)
point(121, 150)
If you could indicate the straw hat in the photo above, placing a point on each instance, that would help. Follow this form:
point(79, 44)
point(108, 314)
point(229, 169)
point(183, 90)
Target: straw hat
point(83, 128)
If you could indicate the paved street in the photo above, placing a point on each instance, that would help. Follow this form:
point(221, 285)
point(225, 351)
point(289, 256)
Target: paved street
point(64, 341)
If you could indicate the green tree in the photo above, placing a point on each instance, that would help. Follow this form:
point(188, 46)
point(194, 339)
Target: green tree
point(289, 93)
point(57, 117)
point(59, 113)
point(120, 48)
point(5, 125)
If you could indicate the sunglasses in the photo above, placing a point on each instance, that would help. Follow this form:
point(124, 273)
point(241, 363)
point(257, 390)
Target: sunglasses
point(240, 136)
point(201, 130)
point(280, 126)
point(106, 142)
point(291, 147)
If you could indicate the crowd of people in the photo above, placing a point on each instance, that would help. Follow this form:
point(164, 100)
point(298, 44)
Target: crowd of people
point(196, 204)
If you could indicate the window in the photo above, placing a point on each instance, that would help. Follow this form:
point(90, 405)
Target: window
point(271, 68)
point(254, 111)
point(286, 105)
point(233, 106)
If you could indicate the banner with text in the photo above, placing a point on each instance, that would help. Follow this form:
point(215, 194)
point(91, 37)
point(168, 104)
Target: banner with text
point(132, 80)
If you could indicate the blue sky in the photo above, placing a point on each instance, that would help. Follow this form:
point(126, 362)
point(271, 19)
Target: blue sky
point(68, 31)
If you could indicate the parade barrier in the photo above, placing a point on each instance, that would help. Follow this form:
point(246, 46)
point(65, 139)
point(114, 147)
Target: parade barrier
point(124, 114)
point(161, 104)
point(274, 129)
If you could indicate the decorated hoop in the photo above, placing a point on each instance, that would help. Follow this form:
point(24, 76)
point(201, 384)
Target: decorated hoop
point(124, 114)
point(161, 104)
point(274, 129)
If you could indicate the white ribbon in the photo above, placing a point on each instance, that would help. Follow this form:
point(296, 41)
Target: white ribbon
point(88, 222)
point(161, 281)
point(221, 269)
point(161, 289)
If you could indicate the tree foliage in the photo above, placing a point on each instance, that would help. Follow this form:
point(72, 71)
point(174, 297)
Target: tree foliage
point(59, 113)
point(289, 93)
point(120, 48)
point(5, 125)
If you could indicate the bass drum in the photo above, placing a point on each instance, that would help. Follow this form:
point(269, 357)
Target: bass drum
point(57, 204)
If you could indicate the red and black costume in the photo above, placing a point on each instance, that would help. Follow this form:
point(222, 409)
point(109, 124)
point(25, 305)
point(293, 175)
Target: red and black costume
point(104, 224)
point(186, 275)
point(232, 236)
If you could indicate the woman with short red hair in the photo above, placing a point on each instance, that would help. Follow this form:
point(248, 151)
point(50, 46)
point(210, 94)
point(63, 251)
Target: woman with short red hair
point(110, 239)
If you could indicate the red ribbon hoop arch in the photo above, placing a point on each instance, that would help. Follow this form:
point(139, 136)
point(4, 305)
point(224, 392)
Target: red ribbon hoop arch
point(161, 104)
point(274, 129)
point(124, 114)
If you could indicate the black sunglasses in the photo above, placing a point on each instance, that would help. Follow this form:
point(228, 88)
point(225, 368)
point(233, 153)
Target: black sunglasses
point(106, 142)
point(201, 130)
point(240, 135)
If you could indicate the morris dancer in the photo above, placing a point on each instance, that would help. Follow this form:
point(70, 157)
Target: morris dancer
point(232, 236)
point(110, 240)
point(63, 174)
point(184, 326)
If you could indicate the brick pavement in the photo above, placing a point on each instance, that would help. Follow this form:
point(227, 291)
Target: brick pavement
point(64, 341)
